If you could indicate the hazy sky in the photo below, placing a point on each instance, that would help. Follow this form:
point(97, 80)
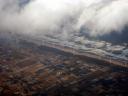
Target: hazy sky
point(63, 17)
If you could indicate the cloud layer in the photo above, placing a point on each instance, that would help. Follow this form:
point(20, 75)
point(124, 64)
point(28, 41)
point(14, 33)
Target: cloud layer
point(63, 18)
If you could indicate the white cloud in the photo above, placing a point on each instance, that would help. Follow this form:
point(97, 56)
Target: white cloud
point(63, 17)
